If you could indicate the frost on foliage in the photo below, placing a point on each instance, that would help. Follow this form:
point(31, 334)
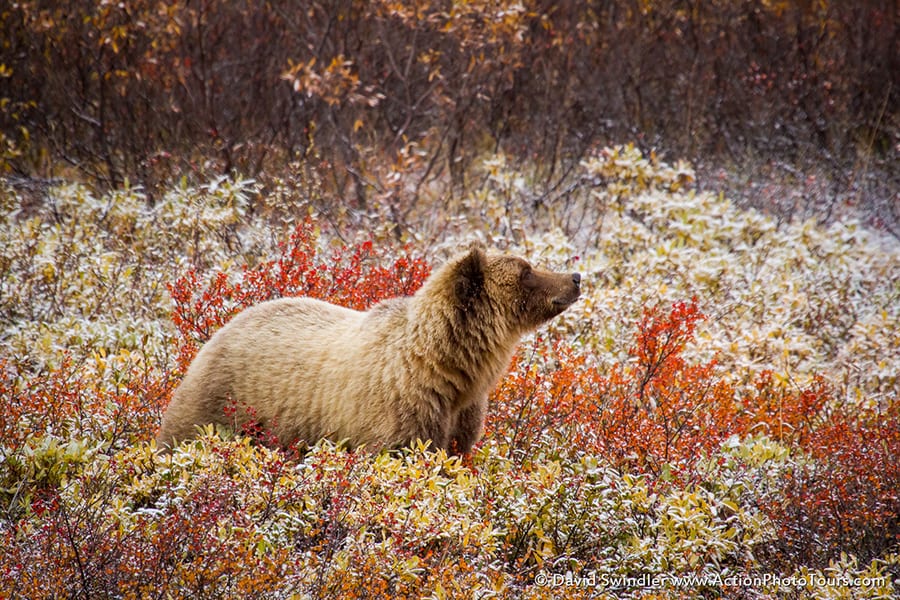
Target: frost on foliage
point(83, 272)
point(843, 578)
point(580, 514)
point(86, 343)
point(795, 298)
point(418, 519)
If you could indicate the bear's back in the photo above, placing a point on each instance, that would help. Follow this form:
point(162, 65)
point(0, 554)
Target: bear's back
point(260, 359)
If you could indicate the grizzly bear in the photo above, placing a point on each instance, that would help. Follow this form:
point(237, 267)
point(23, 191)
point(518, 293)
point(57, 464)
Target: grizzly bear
point(417, 367)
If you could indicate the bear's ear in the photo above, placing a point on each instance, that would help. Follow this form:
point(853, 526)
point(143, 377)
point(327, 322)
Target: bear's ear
point(469, 273)
point(476, 245)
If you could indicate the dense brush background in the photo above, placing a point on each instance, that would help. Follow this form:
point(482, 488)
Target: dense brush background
point(722, 403)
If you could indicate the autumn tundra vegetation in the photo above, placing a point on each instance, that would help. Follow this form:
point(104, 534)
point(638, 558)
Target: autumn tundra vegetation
point(716, 416)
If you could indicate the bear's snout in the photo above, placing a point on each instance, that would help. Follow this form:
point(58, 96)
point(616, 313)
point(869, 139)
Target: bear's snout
point(567, 291)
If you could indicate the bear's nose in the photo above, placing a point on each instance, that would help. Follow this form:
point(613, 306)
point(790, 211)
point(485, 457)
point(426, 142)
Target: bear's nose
point(576, 279)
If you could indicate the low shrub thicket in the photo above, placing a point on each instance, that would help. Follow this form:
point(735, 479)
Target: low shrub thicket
point(718, 412)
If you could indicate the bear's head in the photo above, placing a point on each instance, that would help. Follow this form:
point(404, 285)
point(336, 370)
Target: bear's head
point(511, 289)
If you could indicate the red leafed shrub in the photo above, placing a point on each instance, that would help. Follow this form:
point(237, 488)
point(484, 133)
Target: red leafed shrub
point(351, 276)
point(663, 409)
point(79, 552)
point(787, 413)
point(74, 400)
point(37, 403)
point(658, 414)
point(655, 412)
point(659, 341)
point(843, 490)
point(847, 497)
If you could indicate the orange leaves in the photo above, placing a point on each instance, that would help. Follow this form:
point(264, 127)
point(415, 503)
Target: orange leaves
point(335, 84)
point(119, 403)
point(785, 412)
point(846, 497)
point(655, 412)
point(351, 277)
point(27, 407)
point(659, 342)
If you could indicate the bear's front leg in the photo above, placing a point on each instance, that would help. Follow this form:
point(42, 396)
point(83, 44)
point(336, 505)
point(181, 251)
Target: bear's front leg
point(432, 425)
point(469, 427)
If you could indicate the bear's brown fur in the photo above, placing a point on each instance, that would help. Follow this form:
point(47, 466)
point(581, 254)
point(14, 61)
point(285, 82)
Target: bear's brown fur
point(419, 367)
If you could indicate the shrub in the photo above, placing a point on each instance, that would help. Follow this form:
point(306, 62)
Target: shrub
point(153, 89)
point(654, 412)
point(116, 399)
point(720, 402)
point(351, 276)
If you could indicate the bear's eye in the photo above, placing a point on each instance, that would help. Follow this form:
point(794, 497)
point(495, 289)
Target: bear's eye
point(527, 274)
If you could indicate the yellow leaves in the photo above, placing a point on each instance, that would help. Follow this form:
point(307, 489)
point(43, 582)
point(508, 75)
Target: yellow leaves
point(430, 57)
point(629, 172)
point(413, 517)
point(335, 84)
point(431, 60)
point(757, 451)
point(696, 530)
point(48, 271)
